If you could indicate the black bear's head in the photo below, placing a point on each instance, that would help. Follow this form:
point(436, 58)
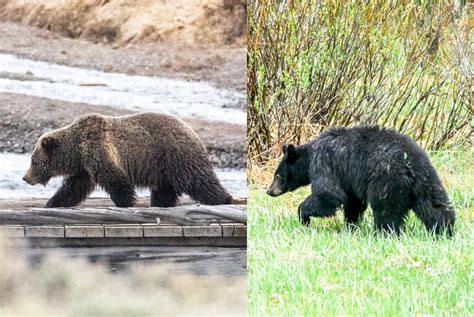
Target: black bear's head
point(292, 172)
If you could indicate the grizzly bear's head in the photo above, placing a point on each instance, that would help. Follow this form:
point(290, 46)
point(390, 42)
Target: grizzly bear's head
point(44, 161)
point(292, 172)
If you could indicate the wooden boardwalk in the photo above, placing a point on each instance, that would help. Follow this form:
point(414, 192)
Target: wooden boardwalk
point(99, 223)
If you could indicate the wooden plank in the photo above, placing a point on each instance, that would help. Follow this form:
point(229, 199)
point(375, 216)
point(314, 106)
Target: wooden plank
point(12, 231)
point(239, 201)
point(88, 231)
point(152, 230)
point(123, 231)
point(228, 230)
point(240, 231)
point(183, 215)
point(149, 230)
point(138, 241)
point(202, 231)
point(22, 203)
point(44, 231)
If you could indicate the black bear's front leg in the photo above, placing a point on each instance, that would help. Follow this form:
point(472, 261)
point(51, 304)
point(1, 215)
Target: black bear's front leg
point(72, 192)
point(318, 205)
point(116, 184)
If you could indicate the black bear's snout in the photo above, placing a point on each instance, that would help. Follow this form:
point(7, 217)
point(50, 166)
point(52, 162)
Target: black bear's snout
point(275, 190)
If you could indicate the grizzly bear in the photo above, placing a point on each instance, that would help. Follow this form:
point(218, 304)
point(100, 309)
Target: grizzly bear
point(146, 150)
point(353, 167)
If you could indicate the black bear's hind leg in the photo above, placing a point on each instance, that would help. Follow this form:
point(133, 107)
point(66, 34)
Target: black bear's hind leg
point(390, 202)
point(353, 210)
point(164, 197)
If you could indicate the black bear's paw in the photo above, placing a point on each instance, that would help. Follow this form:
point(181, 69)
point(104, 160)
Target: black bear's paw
point(304, 213)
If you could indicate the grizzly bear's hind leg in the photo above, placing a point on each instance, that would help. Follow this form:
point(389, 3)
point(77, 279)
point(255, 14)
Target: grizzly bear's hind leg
point(73, 191)
point(164, 197)
point(207, 190)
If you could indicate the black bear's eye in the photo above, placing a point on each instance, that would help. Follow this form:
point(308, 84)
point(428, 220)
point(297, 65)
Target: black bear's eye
point(278, 177)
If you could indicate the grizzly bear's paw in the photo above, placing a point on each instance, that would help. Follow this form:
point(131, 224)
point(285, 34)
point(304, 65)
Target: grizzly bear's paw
point(123, 203)
point(50, 204)
point(123, 195)
point(55, 203)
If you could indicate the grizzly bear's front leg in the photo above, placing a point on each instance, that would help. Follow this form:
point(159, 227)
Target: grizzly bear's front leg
point(116, 184)
point(73, 191)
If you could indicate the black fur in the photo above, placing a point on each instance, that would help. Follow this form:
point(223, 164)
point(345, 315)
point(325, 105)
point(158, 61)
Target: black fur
point(353, 167)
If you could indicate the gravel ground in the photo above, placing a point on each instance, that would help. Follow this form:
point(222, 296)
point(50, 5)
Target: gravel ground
point(224, 66)
point(24, 118)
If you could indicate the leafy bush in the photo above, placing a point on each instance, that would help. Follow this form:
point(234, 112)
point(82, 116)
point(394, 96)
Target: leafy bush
point(314, 64)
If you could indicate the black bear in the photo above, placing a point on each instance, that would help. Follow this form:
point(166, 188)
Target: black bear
point(353, 167)
point(120, 153)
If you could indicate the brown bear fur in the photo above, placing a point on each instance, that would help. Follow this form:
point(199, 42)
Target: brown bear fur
point(149, 150)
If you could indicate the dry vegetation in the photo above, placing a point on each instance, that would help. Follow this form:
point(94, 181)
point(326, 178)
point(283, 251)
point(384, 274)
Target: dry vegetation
point(407, 65)
point(201, 22)
point(73, 287)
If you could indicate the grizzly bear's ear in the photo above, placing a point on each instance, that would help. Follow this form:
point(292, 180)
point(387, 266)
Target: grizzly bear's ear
point(49, 143)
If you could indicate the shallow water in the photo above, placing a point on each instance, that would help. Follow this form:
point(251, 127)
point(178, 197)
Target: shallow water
point(136, 93)
point(14, 166)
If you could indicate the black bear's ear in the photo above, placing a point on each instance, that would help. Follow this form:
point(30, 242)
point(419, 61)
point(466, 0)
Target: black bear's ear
point(283, 149)
point(49, 143)
point(291, 152)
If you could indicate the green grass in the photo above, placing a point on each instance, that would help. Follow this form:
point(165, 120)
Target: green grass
point(327, 270)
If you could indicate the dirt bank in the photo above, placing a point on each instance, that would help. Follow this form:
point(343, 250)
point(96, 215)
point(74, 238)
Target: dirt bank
point(24, 118)
point(191, 22)
point(224, 66)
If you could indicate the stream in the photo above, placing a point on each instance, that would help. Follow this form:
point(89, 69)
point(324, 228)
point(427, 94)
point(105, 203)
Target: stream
point(14, 166)
point(136, 93)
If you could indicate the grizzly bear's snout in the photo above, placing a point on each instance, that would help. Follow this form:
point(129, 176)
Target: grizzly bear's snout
point(26, 179)
point(29, 177)
point(35, 175)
